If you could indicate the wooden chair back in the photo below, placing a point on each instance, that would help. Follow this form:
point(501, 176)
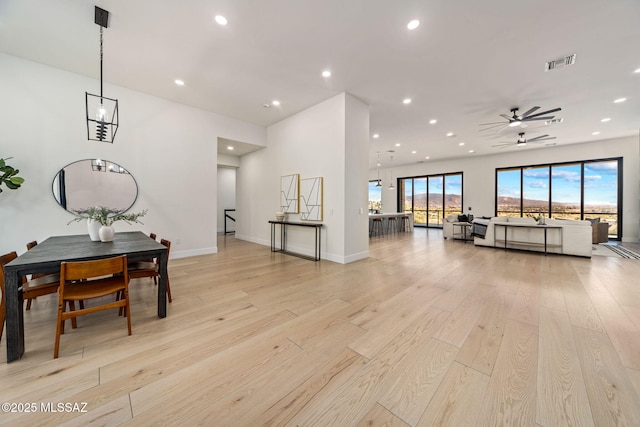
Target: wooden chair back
point(85, 280)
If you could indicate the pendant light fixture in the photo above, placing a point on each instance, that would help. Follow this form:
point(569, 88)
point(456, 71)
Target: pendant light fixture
point(391, 187)
point(102, 112)
point(379, 183)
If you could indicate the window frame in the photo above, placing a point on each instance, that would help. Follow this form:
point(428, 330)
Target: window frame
point(550, 166)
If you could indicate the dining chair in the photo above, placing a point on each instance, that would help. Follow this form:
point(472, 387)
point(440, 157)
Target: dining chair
point(43, 285)
point(85, 280)
point(30, 246)
point(143, 269)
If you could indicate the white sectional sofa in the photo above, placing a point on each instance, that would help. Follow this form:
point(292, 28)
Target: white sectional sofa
point(575, 238)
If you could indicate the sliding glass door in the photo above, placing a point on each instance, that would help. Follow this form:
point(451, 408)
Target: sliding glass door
point(432, 197)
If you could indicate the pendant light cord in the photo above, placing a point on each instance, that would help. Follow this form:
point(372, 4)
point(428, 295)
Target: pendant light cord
point(101, 64)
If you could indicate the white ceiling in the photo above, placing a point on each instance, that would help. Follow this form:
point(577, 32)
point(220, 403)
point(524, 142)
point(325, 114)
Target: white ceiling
point(467, 62)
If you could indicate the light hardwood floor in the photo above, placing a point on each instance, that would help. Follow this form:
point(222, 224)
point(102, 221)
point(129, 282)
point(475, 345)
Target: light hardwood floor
point(425, 332)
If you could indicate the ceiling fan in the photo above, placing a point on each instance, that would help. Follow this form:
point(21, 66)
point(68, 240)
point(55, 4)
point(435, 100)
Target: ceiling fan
point(520, 119)
point(522, 141)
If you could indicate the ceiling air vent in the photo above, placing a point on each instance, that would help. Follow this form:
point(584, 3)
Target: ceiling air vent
point(553, 121)
point(560, 62)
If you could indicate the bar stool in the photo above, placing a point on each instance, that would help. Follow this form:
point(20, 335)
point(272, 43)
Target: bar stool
point(390, 221)
point(376, 227)
point(406, 226)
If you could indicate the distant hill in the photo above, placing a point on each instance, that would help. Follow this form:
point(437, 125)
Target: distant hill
point(435, 201)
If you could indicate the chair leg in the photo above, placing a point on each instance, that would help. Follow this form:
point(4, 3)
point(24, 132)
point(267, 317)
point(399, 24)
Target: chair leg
point(74, 321)
point(127, 309)
point(169, 290)
point(29, 303)
point(59, 329)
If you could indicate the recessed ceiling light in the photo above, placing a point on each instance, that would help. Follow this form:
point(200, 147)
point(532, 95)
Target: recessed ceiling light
point(230, 148)
point(413, 24)
point(637, 71)
point(619, 100)
point(606, 119)
point(376, 135)
point(406, 101)
point(433, 121)
point(450, 134)
point(397, 144)
point(275, 102)
point(595, 133)
point(472, 151)
point(179, 82)
point(221, 20)
point(326, 73)
point(414, 152)
point(461, 144)
point(427, 158)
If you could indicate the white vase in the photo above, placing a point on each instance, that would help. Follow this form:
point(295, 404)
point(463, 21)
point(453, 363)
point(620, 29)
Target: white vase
point(93, 227)
point(106, 233)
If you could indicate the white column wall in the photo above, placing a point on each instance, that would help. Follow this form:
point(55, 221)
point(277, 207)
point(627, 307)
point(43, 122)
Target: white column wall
point(479, 175)
point(170, 149)
point(313, 143)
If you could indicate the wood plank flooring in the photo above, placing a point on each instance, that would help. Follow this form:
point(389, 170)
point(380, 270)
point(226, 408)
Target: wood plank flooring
point(425, 332)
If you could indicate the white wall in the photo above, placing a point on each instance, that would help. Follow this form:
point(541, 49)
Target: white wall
point(479, 175)
point(168, 147)
point(313, 143)
point(226, 196)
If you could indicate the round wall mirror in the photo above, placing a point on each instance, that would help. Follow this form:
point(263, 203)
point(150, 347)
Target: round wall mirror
point(94, 182)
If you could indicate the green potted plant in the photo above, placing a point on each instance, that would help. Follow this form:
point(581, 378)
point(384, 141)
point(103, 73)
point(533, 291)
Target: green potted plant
point(100, 220)
point(8, 176)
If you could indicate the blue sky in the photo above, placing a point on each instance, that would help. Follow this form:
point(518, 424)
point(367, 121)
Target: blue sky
point(600, 187)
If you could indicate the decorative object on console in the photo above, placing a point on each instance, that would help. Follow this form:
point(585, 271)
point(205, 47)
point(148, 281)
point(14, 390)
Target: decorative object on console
point(289, 193)
point(8, 176)
point(105, 217)
point(102, 112)
point(279, 216)
point(311, 196)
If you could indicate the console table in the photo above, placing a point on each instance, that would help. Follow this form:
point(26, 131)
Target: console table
point(540, 227)
point(283, 238)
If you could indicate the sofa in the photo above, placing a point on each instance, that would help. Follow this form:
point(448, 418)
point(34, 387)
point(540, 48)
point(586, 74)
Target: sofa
point(574, 240)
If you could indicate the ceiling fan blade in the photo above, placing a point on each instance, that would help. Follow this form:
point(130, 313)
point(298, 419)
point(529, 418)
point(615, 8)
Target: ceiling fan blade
point(544, 112)
point(537, 138)
point(503, 144)
point(492, 123)
point(530, 119)
point(492, 127)
point(540, 139)
point(525, 115)
point(506, 117)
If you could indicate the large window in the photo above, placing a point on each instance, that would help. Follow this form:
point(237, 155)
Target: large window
point(431, 198)
point(576, 190)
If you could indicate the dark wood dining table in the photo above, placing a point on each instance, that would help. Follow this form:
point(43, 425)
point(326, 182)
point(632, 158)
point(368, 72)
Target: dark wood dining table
point(47, 256)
